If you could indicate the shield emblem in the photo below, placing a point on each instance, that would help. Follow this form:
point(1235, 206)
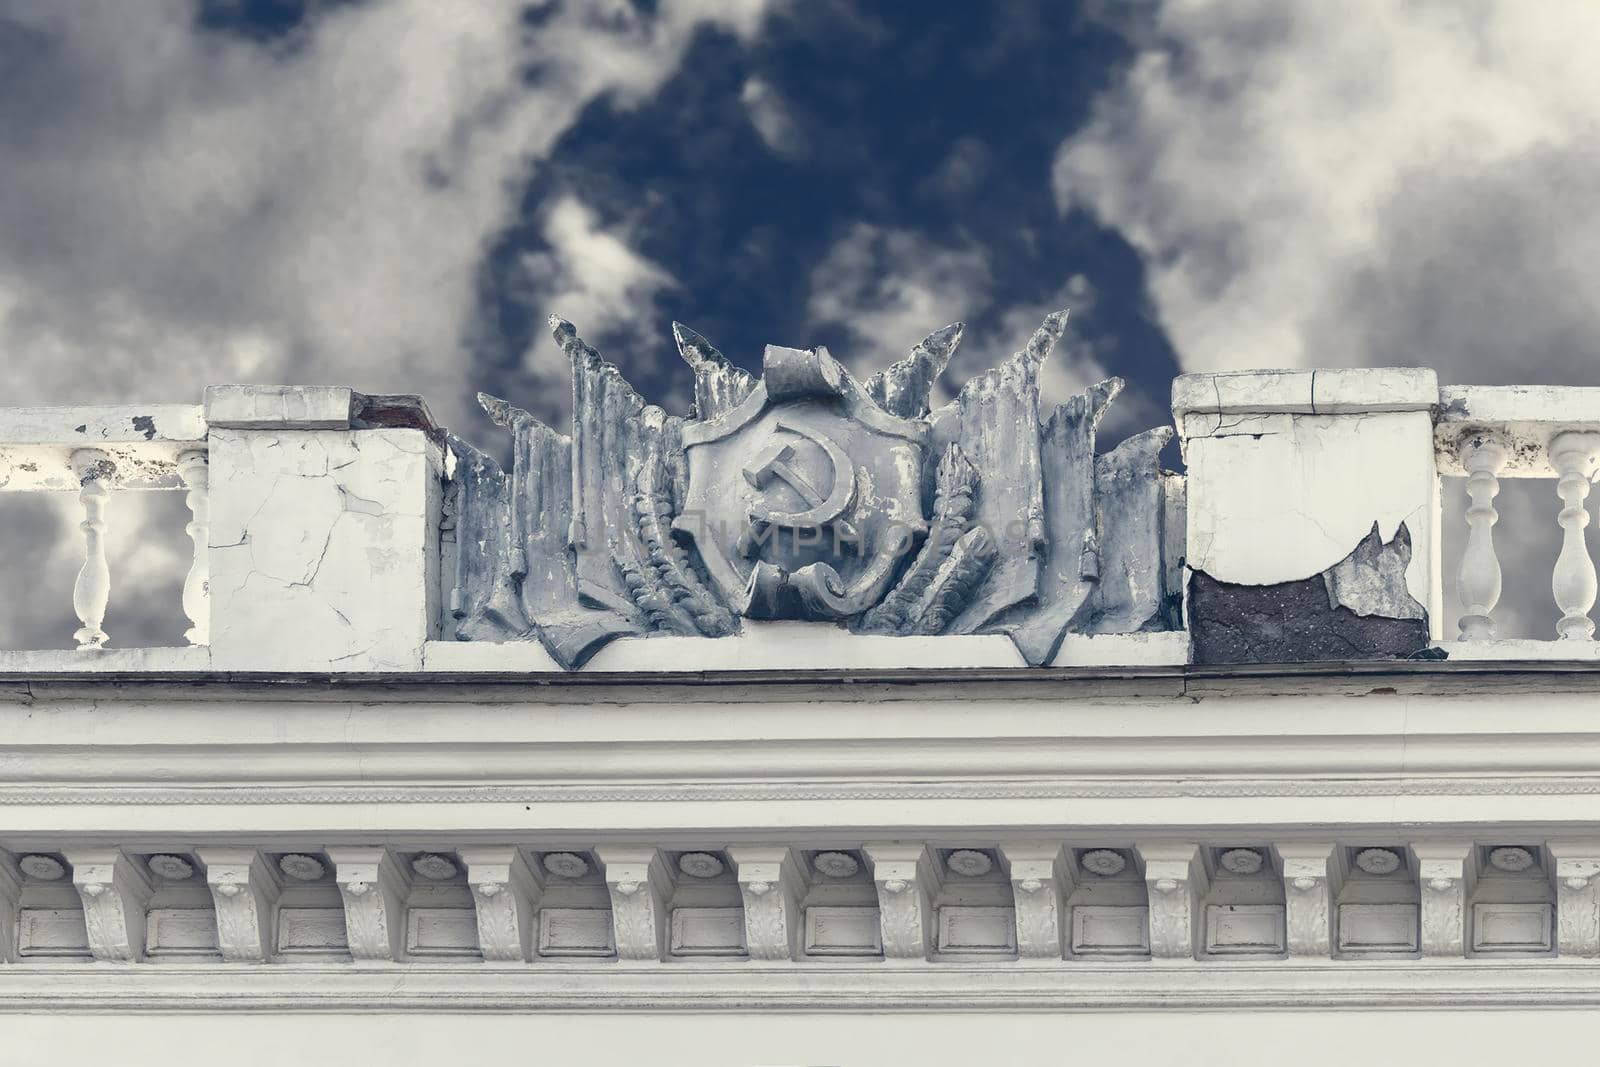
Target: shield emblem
point(803, 499)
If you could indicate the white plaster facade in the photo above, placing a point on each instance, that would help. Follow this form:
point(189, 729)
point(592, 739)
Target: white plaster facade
point(795, 845)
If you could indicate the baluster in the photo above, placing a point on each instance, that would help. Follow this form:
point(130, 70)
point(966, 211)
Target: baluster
point(1573, 455)
point(196, 474)
point(1478, 580)
point(92, 591)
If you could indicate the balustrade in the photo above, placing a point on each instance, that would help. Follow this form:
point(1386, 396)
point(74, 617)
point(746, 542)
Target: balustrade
point(1482, 454)
point(1232, 425)
point(1490, 433)
point(161, 447)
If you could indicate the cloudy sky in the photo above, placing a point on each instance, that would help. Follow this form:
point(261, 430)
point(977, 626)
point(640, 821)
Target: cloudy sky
point(393, 194)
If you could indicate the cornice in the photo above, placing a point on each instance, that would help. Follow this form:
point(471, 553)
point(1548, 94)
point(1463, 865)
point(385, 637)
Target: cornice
point(378, 987)
point(1416, 676)
point(30, 796)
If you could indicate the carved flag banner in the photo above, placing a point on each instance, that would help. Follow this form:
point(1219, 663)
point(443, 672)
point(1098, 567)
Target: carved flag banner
point(806, 494)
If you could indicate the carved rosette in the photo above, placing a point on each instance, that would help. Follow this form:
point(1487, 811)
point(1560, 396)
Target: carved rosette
point(768, 886)
point(1175, 880)
point(1040, 884)
point(639, 887)
point(505, 895)
point(115, 895)
point(1308, 899)
point(1441, 872)
point(373, 891)
point(903, 877)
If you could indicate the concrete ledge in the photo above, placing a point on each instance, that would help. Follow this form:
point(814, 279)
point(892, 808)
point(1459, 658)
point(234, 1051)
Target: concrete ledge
point(1523, 651)
point(1042, 986)
point(279, 407)
point(1123, 650)
point(1526, 418)
point(86, 426)
point(45, 661)
point(768, 646)
point(1305, 392)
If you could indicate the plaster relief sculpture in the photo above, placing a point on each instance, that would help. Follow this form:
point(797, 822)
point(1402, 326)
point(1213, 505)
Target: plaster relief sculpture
point(805, 494)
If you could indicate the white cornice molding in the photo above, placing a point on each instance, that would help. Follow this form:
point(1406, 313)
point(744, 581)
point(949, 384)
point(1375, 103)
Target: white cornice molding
point(1176, 985)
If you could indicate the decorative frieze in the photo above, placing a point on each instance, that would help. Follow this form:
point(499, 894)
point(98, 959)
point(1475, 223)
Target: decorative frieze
point(243, 893)
point(373, 890)
point(115, 895)
point(640, 891)
point(505, 896)
point(904, 876)
point(1175, 876)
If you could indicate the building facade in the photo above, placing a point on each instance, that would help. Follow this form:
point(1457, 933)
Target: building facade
point(817, 726)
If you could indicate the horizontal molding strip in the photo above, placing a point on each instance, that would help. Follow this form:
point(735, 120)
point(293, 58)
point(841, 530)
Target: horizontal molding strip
point(35, 796)
point(919, 988)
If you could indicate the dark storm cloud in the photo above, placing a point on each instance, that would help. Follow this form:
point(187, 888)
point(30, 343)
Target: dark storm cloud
point(856, 175)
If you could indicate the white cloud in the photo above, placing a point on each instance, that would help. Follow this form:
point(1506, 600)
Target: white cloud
point(1360, 183)
point(592, 277)
point(179, 207)
point(891, 288)
point(774, 121)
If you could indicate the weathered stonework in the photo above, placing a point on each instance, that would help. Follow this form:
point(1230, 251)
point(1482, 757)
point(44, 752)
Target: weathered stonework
point(805, 494)
point(318, 539)
point(1356, 609)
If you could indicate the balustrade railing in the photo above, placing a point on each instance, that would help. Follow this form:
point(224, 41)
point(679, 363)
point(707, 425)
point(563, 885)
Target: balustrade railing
point(1479, 437)
point(98, 452)
point(1489, 433)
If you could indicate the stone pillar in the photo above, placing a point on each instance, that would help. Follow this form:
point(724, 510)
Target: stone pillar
point(1309, 491)
point(323, 543)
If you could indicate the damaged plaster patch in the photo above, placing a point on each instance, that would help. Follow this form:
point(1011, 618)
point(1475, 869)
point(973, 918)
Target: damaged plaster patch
point(1371, 580)
point(1357, 609)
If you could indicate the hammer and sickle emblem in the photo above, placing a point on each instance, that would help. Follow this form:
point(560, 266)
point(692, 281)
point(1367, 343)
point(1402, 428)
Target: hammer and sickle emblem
point(775, 462)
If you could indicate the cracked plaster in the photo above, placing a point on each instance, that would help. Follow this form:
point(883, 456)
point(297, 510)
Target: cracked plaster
point(321, 543)
point(1278, 496)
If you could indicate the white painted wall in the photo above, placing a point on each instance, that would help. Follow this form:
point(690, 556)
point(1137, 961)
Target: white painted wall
point(992, 1039)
